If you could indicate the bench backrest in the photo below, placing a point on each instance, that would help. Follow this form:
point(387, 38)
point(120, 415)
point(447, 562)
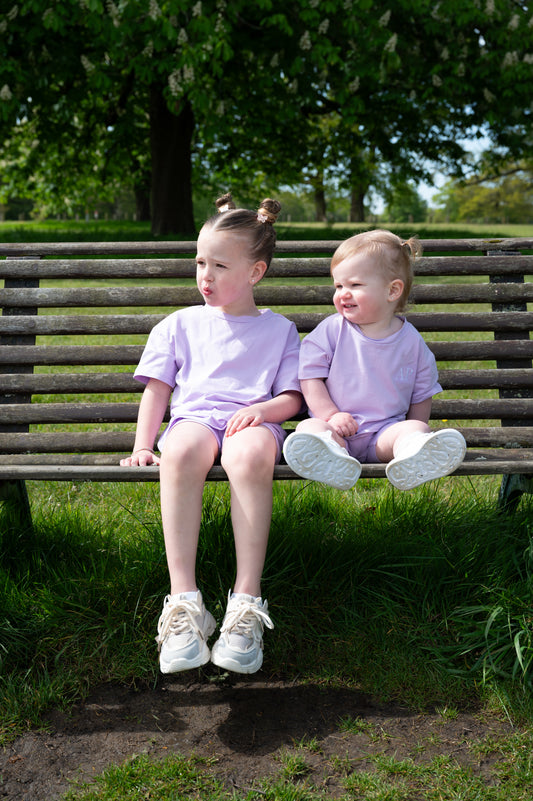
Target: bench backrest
point(75, 318)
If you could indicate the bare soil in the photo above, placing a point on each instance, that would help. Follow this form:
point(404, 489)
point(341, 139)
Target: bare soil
point(245, 723)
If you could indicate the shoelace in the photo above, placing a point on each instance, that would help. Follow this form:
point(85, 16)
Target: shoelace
point(242, 617)
point(178, 618)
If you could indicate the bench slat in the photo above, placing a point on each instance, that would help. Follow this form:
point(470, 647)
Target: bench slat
point(305, 321)
point(35, 413)
point(296, 295)
point(76, 383)
point(476, 463)
point(130, 354)
point(56, 442)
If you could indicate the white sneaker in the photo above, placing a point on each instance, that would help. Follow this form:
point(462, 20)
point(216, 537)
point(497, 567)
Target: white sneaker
point(426, 456)
point(183, 630)
point(320, 458)
point(240, 645)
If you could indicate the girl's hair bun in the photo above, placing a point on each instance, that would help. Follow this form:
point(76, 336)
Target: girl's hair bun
point(225, 203)
point(268, 211)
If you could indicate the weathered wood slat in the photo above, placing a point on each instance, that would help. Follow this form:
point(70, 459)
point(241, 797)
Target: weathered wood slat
point(64, 442)
point(75, 383)
point(296, 295)
point(48, 413)
point(293, 267)
point(65, 249)
point(142, 323)
point(70, 354)
point(70, 383)
point(476, 463)
point(130, 354)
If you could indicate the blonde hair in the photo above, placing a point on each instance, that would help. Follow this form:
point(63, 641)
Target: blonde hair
point(256, 226)
point(394, 256)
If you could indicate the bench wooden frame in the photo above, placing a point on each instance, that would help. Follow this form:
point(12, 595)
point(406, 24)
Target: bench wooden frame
point(49, 291)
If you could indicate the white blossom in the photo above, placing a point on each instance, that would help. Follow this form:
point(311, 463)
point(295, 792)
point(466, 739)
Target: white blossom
point(220, 109)
point(514, 22)
point(11, 15)
point(182, 37)
point(490, 8)
point(353, 86)
point(444, 54)
point(174, 83)
point(510, 59)
point(461, 69)
point(412, 95)
point(530, 23)
point(323, 27)
point(188, 74)
point(148, 51)
point(5, 93)
point(88, 66)
point(436, 80)
point(293, 86)
point(197, 9)
point(487, 94)
point(528, 58)
point(48, 16)
point(305, 41)
point(274, 61)
point(313, 3)
point(390, 47)
point(154, 11)
point(384, 19)
point(3, 26)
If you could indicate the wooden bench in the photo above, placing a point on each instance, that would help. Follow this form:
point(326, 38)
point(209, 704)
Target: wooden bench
point(75, 318)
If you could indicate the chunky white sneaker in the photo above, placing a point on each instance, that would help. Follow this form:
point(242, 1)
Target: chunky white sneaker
point(320, 458)
point(426, 456)
point(182, 632)
point(240, 645)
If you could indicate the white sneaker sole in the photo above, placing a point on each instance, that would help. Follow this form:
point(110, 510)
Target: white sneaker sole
point(439, 455)
point(310, 456)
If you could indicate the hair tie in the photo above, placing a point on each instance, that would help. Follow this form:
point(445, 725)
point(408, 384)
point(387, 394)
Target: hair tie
point(225, 207)
point(265, 216)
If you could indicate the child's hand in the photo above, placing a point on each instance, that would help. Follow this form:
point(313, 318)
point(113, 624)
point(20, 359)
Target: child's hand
point(244, 418)
point(343, 424)
point(141, 458)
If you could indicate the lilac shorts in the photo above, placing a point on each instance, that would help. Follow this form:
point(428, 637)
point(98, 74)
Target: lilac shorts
point(363, 446)
point(277, 431)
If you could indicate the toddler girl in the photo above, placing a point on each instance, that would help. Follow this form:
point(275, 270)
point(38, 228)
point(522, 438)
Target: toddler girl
point(230, 373)
point(368, 377)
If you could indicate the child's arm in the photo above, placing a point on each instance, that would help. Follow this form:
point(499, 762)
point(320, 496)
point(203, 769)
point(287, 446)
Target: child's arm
point(420, 411)
point(320, 404)
point(277, 410)
point(152, 409)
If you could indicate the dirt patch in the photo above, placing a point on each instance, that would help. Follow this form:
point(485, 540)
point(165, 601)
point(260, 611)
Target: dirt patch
point(246, 723)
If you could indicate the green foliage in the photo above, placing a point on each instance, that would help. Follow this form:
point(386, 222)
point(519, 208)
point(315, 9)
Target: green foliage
point(344, 93)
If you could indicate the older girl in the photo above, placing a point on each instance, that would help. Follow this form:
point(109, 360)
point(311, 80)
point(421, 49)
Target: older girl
point(230, 373)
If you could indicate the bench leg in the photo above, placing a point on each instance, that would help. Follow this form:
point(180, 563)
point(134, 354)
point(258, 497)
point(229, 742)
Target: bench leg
point(512, 488)
point(14, 493)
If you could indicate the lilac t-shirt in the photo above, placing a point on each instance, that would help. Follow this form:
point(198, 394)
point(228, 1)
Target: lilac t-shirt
point(375, 380)
point(218, 363)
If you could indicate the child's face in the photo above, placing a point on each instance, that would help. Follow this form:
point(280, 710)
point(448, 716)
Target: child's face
point(225, 276)
point(363, 294)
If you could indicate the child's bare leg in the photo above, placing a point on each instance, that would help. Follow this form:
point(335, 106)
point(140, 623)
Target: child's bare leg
point(314, 425)
point(388, 442)
point(248, 458)
point(188, 455)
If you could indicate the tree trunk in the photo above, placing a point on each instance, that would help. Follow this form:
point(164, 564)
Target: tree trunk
point(357, 206)
point(320, 204)
point(170, 142)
